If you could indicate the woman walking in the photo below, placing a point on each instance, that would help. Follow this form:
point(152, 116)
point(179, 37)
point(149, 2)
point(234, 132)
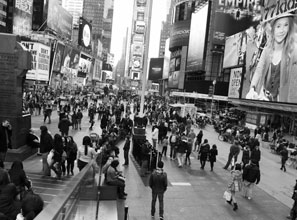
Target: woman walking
point(203, 152)
point(235, 185)
point(198, 140)
point(212, 156)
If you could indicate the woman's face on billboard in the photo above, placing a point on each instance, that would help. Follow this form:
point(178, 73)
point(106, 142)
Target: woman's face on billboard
point(281, 28)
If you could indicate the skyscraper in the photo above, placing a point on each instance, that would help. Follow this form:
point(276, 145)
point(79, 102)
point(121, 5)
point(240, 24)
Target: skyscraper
point(3, 13)
point(75, 8)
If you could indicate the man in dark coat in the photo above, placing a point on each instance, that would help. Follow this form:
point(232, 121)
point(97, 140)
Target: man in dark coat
point(251, 176)
point(46, 145)
point(5, 138)
point(256, 155)
point(234, 151)
point(64, 125)
point(126, 150)
point(158, 183)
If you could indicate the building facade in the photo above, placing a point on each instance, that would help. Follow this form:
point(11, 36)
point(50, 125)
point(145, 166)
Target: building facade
point(3, 15)
point(75, 8)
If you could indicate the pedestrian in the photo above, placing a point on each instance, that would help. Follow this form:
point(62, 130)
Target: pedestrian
point(235, 185)
point(233, 153)
point(256, 155)
point(181, 149)
point(158, 183)
point(74, 120)
point(173, 144)
point(285, 155)
point(46, 145)
point(213, 156)
point(85, 153)
point(204, 153)
point(198, 140)
point(79, 116)
point(57, 157)
point(64, 125)
point(5, 138)
point(126, 150)
point(250, 177)
point(71, 151)
point(165, 146)
point(245, 156)
point(293, 212)
point(155, 135)
point(189, 150)
point(47, 113)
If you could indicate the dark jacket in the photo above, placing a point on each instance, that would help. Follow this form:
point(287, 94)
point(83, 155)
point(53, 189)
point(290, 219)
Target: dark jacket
point(285, 154)
point(4, 144)
point(8, 206)
point(245, 156)
point(18, 175)
point(256, 155)
point(158, 181)
point(234, 149)
point(46, 142)
point(127, 145)
point(251, 173)
point(213, 155)
point(204, 151)
point(64, 125)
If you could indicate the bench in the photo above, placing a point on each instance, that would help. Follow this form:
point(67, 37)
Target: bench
point(107, 192)
point(108, 210)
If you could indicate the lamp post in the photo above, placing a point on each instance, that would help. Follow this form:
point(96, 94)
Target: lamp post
point(214, 88)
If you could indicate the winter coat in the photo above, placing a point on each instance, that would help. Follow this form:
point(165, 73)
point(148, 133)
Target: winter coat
point(256, 155)
point(204, 151)
point(46, 142)
point(3, 140)
point(245, 156)
point(236, 176)
point(158, 181)
point(251, 173)
point(64, 125)
point(213, 155)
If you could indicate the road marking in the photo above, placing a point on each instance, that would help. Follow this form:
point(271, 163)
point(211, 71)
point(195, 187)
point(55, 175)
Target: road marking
point(180, 184)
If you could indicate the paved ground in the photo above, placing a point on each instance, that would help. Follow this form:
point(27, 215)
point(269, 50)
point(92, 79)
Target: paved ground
point(195, 193)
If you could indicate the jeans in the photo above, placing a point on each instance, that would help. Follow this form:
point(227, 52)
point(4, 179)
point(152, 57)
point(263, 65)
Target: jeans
point(230, 159)
point(161, 203)
point(248, 188)
point(180, 159)
point(155, 143)
point(45, 166)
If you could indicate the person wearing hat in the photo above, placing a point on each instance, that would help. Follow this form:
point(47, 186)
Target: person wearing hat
point(233, 153)
point(251, 176)
point(274, 76)
point(158, 183)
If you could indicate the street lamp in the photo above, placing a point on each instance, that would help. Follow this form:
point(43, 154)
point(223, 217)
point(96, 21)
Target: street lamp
point(213, 92)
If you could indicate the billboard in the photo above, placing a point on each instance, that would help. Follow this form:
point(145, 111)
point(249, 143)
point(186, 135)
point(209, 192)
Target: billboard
point(58, 57)
point(273, 8)
point(97, 70)
point(271, 58)
point(235, 83)
point(137, 49)
point(197, 39)
point(138, 38)
point(84, 33)
point(22, 17)
point(166, 65)
point(156, 68)
point(136, 62)
point(174, 68)
point(141, 3)
point(235, 50)
point(58, 19)
point(180, 33)
point(232, 17)
point(70, 60)
point(139, 27)
point(40, 61)
point(85, 63)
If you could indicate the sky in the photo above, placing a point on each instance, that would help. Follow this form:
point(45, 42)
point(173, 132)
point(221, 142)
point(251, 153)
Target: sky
point(122, 19)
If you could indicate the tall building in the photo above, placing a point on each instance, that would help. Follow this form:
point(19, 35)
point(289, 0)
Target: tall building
point(75, 8)
point(3, 15)
point(93, 12)
point(107, 24)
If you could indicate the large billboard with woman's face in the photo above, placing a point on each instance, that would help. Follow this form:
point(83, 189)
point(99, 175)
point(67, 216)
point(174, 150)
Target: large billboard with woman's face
point(271, 60)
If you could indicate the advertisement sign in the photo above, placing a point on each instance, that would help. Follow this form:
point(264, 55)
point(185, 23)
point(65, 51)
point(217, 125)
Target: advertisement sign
point(183, 60)
point(58, 57)
point(70, 60)
point(135, 75)
point(97, 70)
point(85, 63)
point(235, 50)
point(137, 49)
point(180, 33)
point(106, 75)
point(141, 3)
point(136, 62)
point(166, 65)
point(22, 17)
point(84, 33)
point(232, 17)
point(58, 19)
point(99, 48)
point(138, 38)
point(110, 59)
point(154, 87)
point(197, 39)
point(156, 68)
point(174, 68)
point(235, 83)
point(140, 27)
point(274, 8)
point(271, 71)
point(40, 61)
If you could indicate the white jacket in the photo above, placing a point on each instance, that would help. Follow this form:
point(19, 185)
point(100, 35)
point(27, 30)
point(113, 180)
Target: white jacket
point(155, 133)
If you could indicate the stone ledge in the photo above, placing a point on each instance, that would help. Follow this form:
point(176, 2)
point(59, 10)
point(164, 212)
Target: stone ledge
point(20, 153)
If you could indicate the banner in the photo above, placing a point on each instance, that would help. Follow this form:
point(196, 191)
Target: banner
point(85, 63)
point(166, 65)
point(235, 50)
point(235, 83)
point(97, 70)
point(197, 39)
point(270, 71)
point(232, 17)
point(180, 33)
point(137, 49)
point(58, 57)
point(84, 33)
point(22, 17)
point(59, 19)
point(174, 68)
point(156, 68)
point(40, 61)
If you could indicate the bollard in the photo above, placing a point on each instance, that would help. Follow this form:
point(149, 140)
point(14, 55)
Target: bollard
point(126, 212)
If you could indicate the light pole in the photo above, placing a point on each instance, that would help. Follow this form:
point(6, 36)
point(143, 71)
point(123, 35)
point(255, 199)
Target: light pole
point(213, 92)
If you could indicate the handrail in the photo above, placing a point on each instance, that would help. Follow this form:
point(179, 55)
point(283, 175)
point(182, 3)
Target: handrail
point(52, 210)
